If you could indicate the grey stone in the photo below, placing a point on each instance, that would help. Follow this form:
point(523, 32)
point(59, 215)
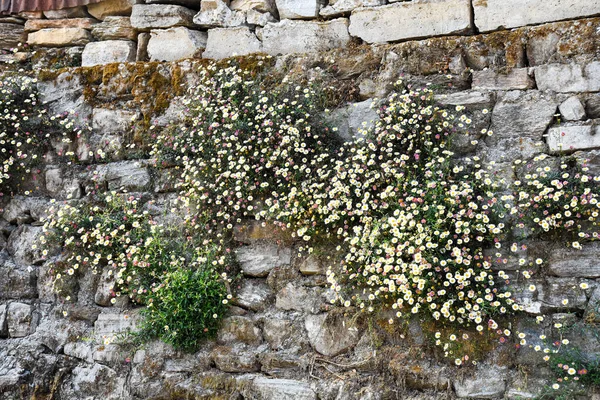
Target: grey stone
point(20, 244)
point(109, 8)
point(466, 98)
point(488, 382)
point(516, 79)
point(310, 265)
point(18, 319)
point(239, 329)
point(108, 51)
point(3, 321)
point(160, 16)
point(80, 350)
point(290, 36)
point(572, 109)
point(355, 120)
point(263, 6)
point(110, 324)
point(95, 378)
point(25, 209)
point(229, 359)
point(331, 334)
point(556, 290)
point(567, 78)
point(254, 294)
point(259, 259)
point(565, 139)
point(105, 120)
point(108, 354)
point(59, 37)
point(11, 35)
point(336, 8)
point(142, 47)
point(215, 13)
point(66, 93)
point(254, 17)
point(592, 106)
point(175, 44)
point(282, 334)
point(16, 282)
point(228, 42)
point(411, 20)
point(71, 12)
point(499, 14)
point(114, 28)
point(104, 291)
point(129, 175)
point(62, 187)
point(589, 160)
point(298, 9)
point(592, 310)
point(575, 263)
point(298, 298)
point(282, 389)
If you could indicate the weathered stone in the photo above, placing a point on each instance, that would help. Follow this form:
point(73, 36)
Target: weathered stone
point(16, 282)
point(193, 4)
point(568, 77)
point(25, 209)
point(284, 334)
point(572, 109)
point(254, 17)
point(128, 175)
point(229, 359)
point(228, 42)
point(104, 291)
point(298, 298)
point(109, 8)
point(590, 160)
point(110, 324)
point(239, 329)
point(66, 93)
point(3, 321)
point(58, 37)
point(298, 9)
point(11, 35)
point(20, 244)
point(175, 44)
point(253, 231)
point(466, 98)
point(310, 265)
point(500, 14)
point(556, 290)
point(64, 13)
point(592, 106)
point(31, 14)
point(80, 350)
point(159, 16)
point(105, 120)
point(108, 354)
point(263, 6)
point(331, 334)
point(18, 317)
point(566, 139)
point(354, 120)
point(489, 382)
point(215, 13)
point(259, 259)
point(142, 47)
point(33, 25)
point(419, 374)
point(575, 263)
point(95, 378)
point(282, 389)
point(253, 294)
point(290, 36)
point(337, 8)
point(114, 28)
point(516, 79)
point(108, 51)
point(592, 310)
point(411, 20)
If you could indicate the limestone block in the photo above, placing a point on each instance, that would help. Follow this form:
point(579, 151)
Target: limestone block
point(252, 231)
point(337, 8)
point(31, 14)
point(142, 47)
point(298, 9)
point(16, 282)
point(575, 263)
point(193, 4)
point(329, 335)
point(282, 389)
point(264, 6)
point(591, 315)
point(556, 290)
point(37, 24)
point(592, 106)
point(290, 36)
point(111, 324)
point(409, 20)
point(298, 298)
point(129, 175)
point(175, 44)
point(108, 51)
point(108, 8)
point(114, 28)
point(104, 291)
point(259, 259)
point(229, 359)
point(80, 350)
point(228, 42)
point(18, 316)
point(58, 37)
point(215, 13)
point(239, 329)
point(466, 98)
point(63, 13)
point(488, 382)
point(310, 265)
point(516, 79)
point(105, 120)
point(96, 378)
point(505, 14)
point(23, 209)
point(564, 139)
point(253, 294)
point(20, 245)
point(254, 17)
point(11, 35)
point(160, 16)
point(354, 120)
point(572, 109)
point(568, 77)
point(3, 321)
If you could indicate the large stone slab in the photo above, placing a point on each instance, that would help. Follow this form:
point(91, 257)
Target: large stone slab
point(108, 8)
point(175, 44)
point(505, 14)
point(259, 259)
point(330, 334)
point(298, 9)
point(565, 139)
point(336, 8)
point(228, 42)
point(108, 51)
point(114, 28)
point(106, 120)
point(516, 79)
point(64, 13)
point(33, 25)
point(488, 382)
point(128, 175)
point(20, 245)
point(290, 36)
point(16, 282)
point(354, 120)
point(572, 109)
point(215, 13)
point(265, 6)
point(11, 35)
point(19, 317)
point(59, 37)
point(282, 389)
point(239, 329)
point(583, 263)
point(253, 294)
point(568, 77)
point(411, 20)
point(160, 16)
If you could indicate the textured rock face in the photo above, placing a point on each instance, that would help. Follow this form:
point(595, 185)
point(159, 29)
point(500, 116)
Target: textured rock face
point(569, 77)
point(487, 384)
point(11, 35)
point(114, 28)
point(72, 12)
point(354, 120)
point(32, 25)
point(215, 13)
point(175, 44)
point(495, 14)
point(388, 23)
point(566, 139)
point(57, 37)
point(258, 260)
point(340, 7)
point(576, 263)
point(517, 79)
point(304, 36)
point(298, 9)
point(572, 109)
point(331, 335)
point(109, 8)
point(108, 51)
point(265, 6)
point(282, 389)
point(159, 16)
point(227, 42)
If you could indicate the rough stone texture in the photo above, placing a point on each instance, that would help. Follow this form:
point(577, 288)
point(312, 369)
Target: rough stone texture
point(114, 28)
point(331, 334)
point(336, 8)
point(95, 378)
point(556, 290)
point(105, 120)
point(20, 244)
point(264, 6)
point(108, 51)
point(310, 265)
point(259, 259)
point(496, 14)
point(258, 18)
point(3, 321)
point(467, 99)
point(11, 35)
point(575, 263)
point(239, 329)
point(58, 37)
point(254, 231)
point(72, 12)
point(66, 93)
point(354, 120)
point(142, 47)
point(110, 324)
point(22, 209)
point(570, 138)
point(298, 298)
point(104, 291)
point(109, 8)
point(516, 79)
point(592, 310)
point(389, 23)
point(215, 13)
point(18, 319)
point(253, 294)
point(290, 36)
point(128, 175)
point(175, 44)
point(227, 42)
point(82, 351)
point(159, 16)
point(16, 282)
point(282, 389)
point(33, 25)
point(572, 109)
point(284, 334)
point(488, 383)
point(568, 77)
point(235, 359)
point(298, 9)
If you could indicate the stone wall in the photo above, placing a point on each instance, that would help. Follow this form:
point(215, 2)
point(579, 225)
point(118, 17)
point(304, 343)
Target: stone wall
point(283, 339)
